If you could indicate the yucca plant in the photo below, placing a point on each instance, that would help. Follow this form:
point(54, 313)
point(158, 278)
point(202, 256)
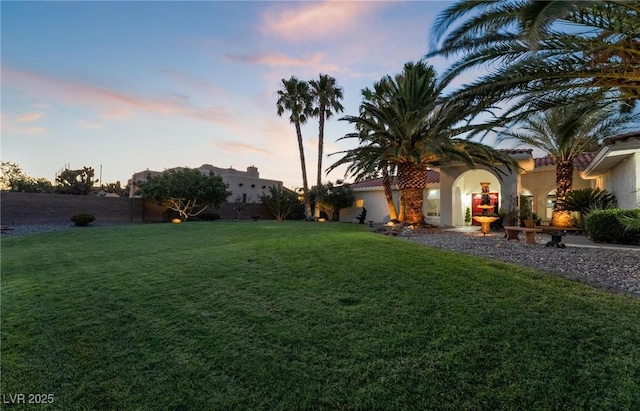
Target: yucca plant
point(587, 199)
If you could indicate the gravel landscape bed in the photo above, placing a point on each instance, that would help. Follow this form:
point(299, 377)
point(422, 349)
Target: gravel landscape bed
point(614, 269)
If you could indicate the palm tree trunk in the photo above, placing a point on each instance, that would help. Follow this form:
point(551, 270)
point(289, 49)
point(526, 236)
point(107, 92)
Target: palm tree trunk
point(386, 183)
point(413, 205)
point(320, 143)
point(564, 182)
point(321, 109)
point(412, 179)
point(303, 164)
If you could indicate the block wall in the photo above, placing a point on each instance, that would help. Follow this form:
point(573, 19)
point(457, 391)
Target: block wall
point(32, 208)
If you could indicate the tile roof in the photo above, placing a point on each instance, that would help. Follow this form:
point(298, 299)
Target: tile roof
point(433, 177)
point(581, 161)
point(516, 150)
point(621, 137)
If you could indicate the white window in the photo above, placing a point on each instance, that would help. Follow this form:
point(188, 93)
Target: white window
point(433, 202)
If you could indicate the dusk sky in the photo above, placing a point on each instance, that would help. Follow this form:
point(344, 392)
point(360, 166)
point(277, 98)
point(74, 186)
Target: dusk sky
point(136, 85)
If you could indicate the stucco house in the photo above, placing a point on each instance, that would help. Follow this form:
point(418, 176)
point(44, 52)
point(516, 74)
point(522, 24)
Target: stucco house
point(245, 186)
point(616, 167)
point(453, 188)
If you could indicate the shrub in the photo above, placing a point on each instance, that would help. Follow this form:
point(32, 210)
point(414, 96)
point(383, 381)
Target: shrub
point(209, 216)
point(280, 201)
point(606, 226)
point(187, 191)
point(526, 210)
point(586, 200)
point(331, 199)
point(82, 220)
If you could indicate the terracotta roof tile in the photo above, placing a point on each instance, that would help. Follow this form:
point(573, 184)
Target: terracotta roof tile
point(433, 177)
point(621, 137)
point(516, 150)
point(581, 161)
point(372, 182)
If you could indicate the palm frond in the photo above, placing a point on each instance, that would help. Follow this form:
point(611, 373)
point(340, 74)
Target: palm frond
point(533, 61)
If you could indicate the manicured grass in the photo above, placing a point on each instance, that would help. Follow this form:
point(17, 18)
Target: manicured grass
point(267, 315)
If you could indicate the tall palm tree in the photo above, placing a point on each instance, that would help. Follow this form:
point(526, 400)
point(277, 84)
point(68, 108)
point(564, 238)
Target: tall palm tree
point(565, 132)
point(546, 53)
point(407, 125)
point(367, 162)
point(294, 97)
point(326, 96)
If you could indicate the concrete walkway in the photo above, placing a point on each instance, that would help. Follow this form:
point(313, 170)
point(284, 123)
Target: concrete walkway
point(570, 240)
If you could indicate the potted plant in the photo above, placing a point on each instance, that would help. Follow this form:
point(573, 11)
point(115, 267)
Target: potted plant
point(467, 216)
point(526, 212)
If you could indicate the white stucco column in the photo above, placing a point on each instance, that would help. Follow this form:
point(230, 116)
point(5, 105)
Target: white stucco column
point(510, 187)
point(447, 177)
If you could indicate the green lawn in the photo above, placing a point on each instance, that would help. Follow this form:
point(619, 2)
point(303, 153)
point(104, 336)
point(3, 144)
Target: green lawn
point(268, 315)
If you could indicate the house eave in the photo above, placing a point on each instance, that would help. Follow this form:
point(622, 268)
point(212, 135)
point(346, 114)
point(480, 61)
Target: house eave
point(610, 156)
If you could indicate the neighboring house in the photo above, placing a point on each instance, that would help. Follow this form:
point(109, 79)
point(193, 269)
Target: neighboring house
point(453, 188)
point(245, 186)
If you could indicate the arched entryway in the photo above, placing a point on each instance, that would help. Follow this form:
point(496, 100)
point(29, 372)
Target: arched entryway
point(458, 184)
point(466, 189)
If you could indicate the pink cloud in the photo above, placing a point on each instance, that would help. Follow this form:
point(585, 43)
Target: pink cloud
point(116, 114)
point(316, 20)
point(308, 65)
point(29, 117)
point(237, 146)
point(90, 124)
point(34, 130)
point(191, 81)
point(111, 101)
point(276, 59)
point(311, 143)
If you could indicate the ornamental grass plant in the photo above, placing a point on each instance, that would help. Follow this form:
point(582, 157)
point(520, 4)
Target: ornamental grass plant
point(293, 315)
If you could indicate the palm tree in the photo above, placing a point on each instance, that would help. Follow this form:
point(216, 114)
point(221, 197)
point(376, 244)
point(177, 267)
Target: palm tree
point(407, 125)
point(547, 53)
point(366, 161)
point(326, 96)
point(563, 133)
point(294, 97)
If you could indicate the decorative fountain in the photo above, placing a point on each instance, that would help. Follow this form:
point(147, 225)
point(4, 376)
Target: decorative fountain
point(485, 220)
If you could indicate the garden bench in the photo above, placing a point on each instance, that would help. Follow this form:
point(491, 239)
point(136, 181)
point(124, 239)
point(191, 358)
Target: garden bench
point(529, 233)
